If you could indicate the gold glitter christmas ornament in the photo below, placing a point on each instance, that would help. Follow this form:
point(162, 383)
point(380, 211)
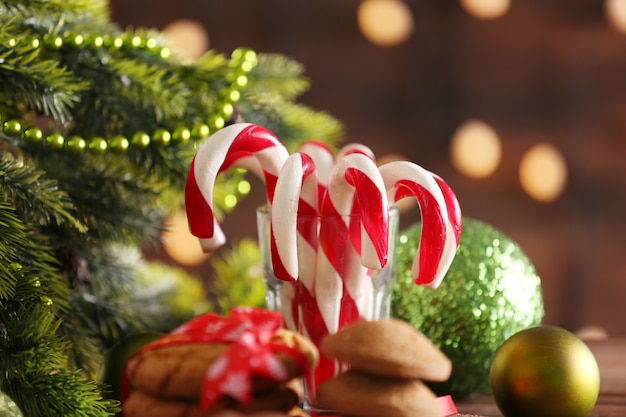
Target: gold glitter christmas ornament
point(490, 292)
point(544, 371)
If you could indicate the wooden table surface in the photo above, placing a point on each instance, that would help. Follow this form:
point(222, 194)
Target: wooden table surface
point(611, 357)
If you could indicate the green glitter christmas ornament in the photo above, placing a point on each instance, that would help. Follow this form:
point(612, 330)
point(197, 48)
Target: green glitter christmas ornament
point(490, 292)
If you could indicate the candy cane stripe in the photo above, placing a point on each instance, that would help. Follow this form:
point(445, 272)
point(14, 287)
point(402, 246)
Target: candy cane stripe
point(241, 144)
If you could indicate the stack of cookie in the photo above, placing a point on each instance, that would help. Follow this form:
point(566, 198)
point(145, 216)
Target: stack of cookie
point(167, 382)
point(388, 360)
point(295, 412)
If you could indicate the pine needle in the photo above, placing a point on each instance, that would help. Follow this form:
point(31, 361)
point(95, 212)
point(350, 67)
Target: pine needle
point(35, 197)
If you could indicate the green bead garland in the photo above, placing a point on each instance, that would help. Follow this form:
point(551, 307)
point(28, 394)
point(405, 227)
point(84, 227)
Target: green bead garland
point(97, 145)
point(76, 144)
point(242, 61)
point(12, 127)
point(161, 137)
point(119, 144)
point(140, 140)
point(181, 135)
point(55, 141)
point(33, 135)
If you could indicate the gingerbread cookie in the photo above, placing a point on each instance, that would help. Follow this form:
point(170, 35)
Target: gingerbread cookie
point(355, 393)
point(177, 371)
point(241, 363)
point(139, 404)
point(174, 372)
point(230, 413)
point(298, 412)
point(303, 345)
point(280, 397)
point(389, 347)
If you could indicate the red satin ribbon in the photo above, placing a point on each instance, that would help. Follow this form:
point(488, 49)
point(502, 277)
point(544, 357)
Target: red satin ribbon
point(447, 406)
point(251, 352)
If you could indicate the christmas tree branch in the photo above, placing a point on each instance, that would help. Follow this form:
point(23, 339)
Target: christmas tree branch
point(37, 198)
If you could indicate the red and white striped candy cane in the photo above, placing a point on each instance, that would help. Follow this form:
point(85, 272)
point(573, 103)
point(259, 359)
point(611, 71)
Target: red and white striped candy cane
point(292, 239)
point(352, 148)
point(357, 187)
point(324, 160)
point(454, 208)
point(353, 233)
point(238, 145)
point(440, 218)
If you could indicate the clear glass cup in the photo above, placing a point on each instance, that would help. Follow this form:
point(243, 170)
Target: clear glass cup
point(362, 294)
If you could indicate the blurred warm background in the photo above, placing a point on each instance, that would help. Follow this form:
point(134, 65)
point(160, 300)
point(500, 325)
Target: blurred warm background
point(519, 104)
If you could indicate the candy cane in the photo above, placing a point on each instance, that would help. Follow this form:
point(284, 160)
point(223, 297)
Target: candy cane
point(295, 226)
point(292, 240)
point(357, 187)
point(356, 190)
point(352, 148)
point(454, 208)
point(241, 144)
point(324, 160)
point(440, 233)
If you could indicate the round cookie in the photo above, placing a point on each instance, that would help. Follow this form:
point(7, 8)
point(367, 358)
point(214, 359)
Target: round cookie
point(388, 347)
point(303, 345)
point(173, 372)
point(230, 413)
point(298, 412)
point(140, 404)
point(177, 371)
point(279, 401)
point(358, 394)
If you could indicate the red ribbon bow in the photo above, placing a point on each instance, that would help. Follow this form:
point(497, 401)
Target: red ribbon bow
point(251, 352)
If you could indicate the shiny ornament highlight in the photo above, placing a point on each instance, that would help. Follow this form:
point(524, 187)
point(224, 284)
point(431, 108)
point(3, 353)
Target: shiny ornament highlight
point(545, 371)
point(490, 292)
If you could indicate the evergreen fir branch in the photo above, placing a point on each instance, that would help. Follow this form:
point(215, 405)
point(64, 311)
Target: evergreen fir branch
point(13, 233)
point(62, 392)
point(211, 66)
point(40, 278)
point(172, 163)
point(144, 296)
point(156, 90)
point(29, 270)
point(278, 75)
point(117, 198)
point(31, 342)
point(34, 367)
point(102, 310)
point(146, 96)
point(303, 123)
point(102, 305)
point(39, 84)
point(205, 79)
point(37, 198)
point(65, 8)
point(238, 277)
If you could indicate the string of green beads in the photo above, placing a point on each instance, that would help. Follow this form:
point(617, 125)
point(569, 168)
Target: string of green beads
point(243, 60)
